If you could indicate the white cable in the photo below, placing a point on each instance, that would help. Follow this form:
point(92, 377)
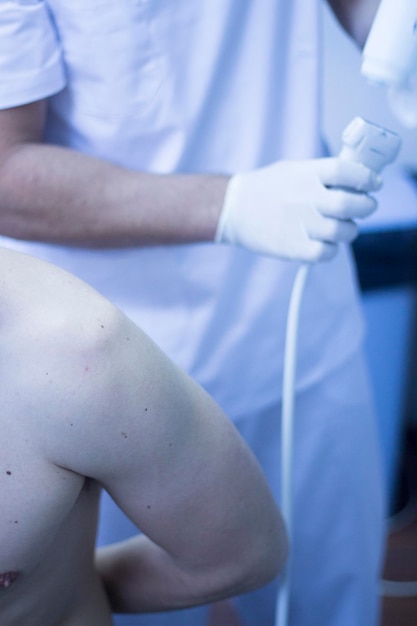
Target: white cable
point(374, 147)
point(388, 588)
point(288, 393)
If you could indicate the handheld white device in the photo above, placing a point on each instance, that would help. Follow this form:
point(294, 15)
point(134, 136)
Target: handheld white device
point(374, 147)
point(369, 144)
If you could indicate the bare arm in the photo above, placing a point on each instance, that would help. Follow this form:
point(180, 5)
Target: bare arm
point(53, 194)
point(212, 529)
point(355, 16)
point(49, 193)
point(115, 409)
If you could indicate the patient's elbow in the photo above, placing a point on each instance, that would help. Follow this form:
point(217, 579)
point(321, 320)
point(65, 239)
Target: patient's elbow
point(258, 562)
point(269, 556)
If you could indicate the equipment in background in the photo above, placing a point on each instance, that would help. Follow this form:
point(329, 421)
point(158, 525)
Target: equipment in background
point(389, 57)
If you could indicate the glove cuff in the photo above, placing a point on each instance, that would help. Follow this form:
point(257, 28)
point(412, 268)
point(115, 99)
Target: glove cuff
point(225, 231)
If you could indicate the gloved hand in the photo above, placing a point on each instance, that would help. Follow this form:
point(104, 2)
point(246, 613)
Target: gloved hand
point(297, 209)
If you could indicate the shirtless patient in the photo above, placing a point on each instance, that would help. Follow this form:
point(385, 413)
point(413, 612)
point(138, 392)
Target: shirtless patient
point(89, 402)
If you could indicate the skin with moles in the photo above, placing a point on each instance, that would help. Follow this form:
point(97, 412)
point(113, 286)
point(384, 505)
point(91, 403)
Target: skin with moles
point(49, 514)
point(47, 533)
point(88, 401)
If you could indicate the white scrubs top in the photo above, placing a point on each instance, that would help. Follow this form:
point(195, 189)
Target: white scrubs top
point(204, 86)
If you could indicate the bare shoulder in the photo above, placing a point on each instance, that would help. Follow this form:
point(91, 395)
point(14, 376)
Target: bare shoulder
point(45, 308)
point(26, 281)
point(77, 367)
point(54, 329)
point(81, 374)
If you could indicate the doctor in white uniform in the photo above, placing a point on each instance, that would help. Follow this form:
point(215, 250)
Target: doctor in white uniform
point(121, 124)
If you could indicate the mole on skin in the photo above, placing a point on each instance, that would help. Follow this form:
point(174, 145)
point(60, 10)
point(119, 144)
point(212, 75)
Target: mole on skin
point(7, 579)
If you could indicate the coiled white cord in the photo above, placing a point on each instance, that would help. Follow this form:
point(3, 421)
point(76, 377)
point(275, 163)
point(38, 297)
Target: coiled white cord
point(287, 421)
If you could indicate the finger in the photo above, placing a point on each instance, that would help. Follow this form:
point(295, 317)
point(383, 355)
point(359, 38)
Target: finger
point(334, 231)
point(346, 205)
point(337, 172)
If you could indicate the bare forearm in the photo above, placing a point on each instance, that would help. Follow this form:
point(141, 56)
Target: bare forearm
point(49, 193)
point(141, 577)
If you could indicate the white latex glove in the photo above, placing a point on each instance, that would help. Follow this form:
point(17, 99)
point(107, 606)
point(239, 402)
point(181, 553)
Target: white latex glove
point(297, 209)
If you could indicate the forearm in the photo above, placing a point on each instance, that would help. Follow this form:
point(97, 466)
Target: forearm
point(49, 193)
point(141, 577)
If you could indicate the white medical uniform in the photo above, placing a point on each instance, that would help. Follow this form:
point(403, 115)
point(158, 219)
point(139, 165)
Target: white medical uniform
point(221, 86)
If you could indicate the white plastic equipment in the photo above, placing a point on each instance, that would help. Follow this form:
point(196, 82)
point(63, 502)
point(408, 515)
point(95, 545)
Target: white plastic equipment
point(390, 57)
